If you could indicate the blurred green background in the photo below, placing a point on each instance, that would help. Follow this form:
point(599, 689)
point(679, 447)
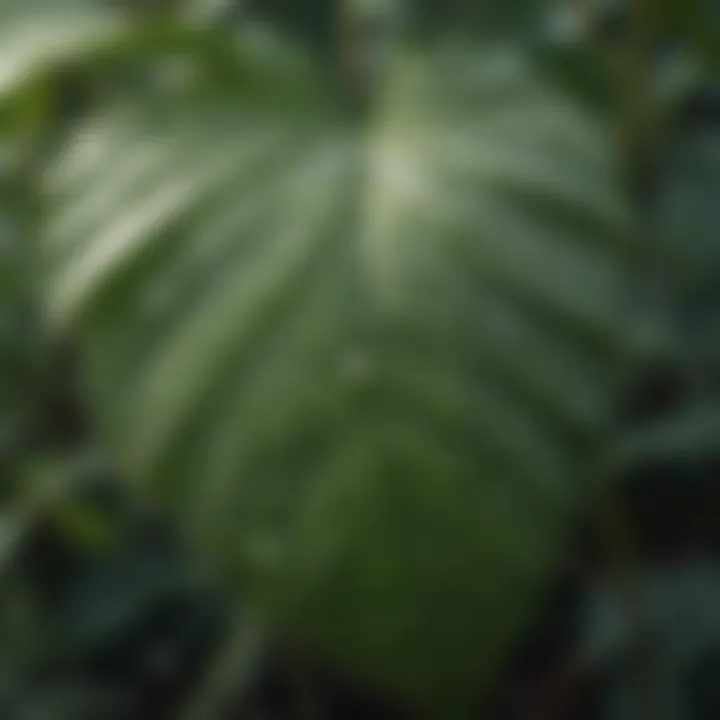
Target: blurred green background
point(518, 267)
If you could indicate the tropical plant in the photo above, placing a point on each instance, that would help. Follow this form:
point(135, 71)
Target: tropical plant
point(363, 327)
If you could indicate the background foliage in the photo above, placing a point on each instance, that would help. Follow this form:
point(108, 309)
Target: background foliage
point(530, 595)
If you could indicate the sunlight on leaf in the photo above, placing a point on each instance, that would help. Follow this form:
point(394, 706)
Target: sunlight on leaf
point(364, 364)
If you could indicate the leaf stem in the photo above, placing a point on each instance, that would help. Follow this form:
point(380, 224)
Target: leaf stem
point(232, 672)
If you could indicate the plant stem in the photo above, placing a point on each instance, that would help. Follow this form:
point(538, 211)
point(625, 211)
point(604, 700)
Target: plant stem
point(232, 671)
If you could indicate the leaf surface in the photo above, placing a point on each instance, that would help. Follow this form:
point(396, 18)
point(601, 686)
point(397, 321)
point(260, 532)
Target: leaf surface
point(364, 363)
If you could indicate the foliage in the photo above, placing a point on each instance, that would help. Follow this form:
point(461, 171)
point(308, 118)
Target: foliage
point(361, 334)
point(311, 404)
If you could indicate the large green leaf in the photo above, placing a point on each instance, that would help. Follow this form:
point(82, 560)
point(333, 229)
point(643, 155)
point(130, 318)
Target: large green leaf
point(364, 363)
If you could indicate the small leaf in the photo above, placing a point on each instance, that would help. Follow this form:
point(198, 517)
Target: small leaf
point(690, 432)
point(39, 34)
point(12, 532)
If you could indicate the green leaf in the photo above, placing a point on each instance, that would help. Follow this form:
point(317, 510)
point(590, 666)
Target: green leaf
point(364, 363)
point(489, 18)
point(690, 432)
point(40, 34)
point(682, 609)
point(12, 532)
point(685, 221)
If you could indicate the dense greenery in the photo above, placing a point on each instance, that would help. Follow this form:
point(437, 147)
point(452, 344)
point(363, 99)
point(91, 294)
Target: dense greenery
point(329, 342)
